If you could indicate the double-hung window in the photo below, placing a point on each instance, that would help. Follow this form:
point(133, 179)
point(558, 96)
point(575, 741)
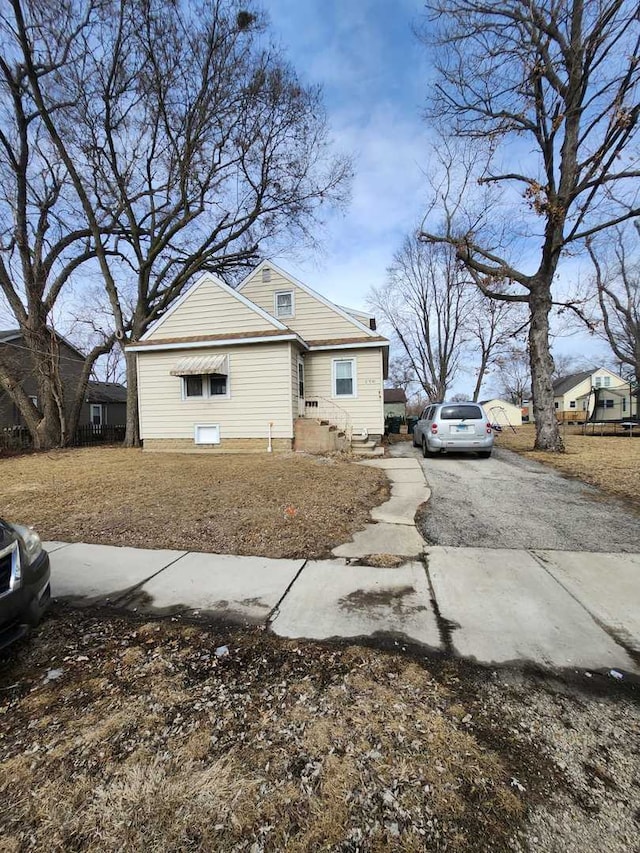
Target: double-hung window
point(283, 303)
point(344, 377)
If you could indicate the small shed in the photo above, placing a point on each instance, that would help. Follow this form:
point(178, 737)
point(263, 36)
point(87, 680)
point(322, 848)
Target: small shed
point(395, 403)
point(502, 412)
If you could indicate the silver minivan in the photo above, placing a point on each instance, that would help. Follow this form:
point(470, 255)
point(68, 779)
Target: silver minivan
point(463, 427)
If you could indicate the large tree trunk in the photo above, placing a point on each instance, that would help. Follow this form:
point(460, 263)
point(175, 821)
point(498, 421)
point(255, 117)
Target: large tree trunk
point(547, 432)
point(132, 435)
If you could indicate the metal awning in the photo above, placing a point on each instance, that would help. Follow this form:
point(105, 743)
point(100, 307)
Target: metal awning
point(196, 365)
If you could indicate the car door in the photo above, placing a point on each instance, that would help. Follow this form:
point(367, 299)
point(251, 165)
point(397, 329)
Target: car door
point(423, 423)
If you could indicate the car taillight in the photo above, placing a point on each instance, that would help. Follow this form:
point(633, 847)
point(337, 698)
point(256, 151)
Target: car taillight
point(488, 429)
point(434, 429)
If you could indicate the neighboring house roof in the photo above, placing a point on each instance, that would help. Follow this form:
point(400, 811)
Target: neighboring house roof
point(8, 335)
point(344, 313)
point(394, 395)
point(106, 392)
point(566, 383)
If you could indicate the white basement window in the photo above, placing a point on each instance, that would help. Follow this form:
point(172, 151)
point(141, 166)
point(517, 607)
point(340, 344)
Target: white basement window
point(344, 377)
point(283, 303)
point(207, 434)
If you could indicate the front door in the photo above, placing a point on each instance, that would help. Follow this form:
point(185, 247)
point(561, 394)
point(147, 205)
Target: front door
point(301, 406)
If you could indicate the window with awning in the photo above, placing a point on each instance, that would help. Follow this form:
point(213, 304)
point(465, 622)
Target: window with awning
point(203, 376)
point(201, 365)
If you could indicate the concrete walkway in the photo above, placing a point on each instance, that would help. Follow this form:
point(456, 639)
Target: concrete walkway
point(553, 608)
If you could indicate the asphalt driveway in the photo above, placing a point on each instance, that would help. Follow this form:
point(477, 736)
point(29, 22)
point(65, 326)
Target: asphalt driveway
point(511, 502)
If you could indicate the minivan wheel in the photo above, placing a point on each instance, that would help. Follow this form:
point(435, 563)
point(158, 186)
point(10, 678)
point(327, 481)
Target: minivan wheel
point(415, 443)
point(484, 454)
point(425, 449)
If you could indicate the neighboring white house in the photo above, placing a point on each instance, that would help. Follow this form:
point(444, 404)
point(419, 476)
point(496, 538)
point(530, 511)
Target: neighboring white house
point(250, 369)
point(502, 412)
point(574, 396)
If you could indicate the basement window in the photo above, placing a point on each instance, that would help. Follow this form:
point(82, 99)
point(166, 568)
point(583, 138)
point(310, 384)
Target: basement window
point(207, 434)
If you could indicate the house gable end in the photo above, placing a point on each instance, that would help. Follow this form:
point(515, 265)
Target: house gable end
point(212, 307)
point(313, 317)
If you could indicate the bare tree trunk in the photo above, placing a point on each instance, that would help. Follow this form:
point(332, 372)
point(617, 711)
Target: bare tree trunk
point(132, 434)
point(481, 373)
point(547, 432)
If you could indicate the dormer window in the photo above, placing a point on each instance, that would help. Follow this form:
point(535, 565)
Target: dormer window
point(283, 303)
point(266, 275)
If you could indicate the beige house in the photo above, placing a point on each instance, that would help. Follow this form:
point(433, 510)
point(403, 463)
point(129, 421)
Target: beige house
point(574, 397)
point(270, 365)
point(502, 412)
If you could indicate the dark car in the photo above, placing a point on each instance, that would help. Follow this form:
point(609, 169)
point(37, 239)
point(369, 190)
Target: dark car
point(24, 581)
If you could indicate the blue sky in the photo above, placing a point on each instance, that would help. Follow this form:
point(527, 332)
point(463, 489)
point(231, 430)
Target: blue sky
point(373, 73)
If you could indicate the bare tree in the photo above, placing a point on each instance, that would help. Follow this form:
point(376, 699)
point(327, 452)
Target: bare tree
point(513, 376)
point(495, 327)
point(401, 373)
point(44, 243)
point(424, 301)
point(557, 82)
point(201, 142)
point(617, 283)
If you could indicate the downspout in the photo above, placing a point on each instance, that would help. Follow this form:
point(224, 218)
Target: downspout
point(269, 448)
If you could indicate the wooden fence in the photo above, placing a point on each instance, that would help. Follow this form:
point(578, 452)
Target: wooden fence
point(18, 439)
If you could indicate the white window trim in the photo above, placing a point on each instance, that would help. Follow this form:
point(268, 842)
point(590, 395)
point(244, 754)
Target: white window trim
point(206, 395)
point(354, 373)
point(93, 406)
point(198, 427)
point(291, 293)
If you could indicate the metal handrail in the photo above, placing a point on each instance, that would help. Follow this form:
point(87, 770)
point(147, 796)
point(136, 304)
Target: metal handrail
point(327, 410)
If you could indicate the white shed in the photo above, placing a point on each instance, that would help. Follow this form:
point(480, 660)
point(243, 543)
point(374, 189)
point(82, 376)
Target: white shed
point(503, 413)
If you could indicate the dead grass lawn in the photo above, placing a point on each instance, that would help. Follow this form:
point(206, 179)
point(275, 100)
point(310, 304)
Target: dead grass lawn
point(612, 463)
point(272, 506)
point(148, 743)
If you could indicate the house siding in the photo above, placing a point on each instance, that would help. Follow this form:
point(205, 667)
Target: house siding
point(579, 391)
point(503, 413)
point(313, 320)
point(366, 409)
point(260, 391)
point(209, 310)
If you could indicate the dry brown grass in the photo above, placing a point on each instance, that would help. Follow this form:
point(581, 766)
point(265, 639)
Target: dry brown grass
point(273, 506)
point(612, 463)
point(148, 743)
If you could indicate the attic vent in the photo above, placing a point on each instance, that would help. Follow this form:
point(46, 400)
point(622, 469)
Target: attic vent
point(266, 274)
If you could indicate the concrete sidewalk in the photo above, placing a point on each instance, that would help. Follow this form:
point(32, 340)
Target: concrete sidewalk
point(552, 608)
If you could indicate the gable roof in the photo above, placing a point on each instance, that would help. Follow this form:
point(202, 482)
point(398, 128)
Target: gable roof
point(297, 283)
point(210, 278)
point(9, 335)
point(566, 383)
point(394, 395)
point(106, 392)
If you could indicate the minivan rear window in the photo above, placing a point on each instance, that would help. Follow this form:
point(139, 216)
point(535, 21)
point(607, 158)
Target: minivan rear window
point(459, 413)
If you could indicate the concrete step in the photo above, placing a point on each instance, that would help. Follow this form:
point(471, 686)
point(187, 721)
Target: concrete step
point(368, 449)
